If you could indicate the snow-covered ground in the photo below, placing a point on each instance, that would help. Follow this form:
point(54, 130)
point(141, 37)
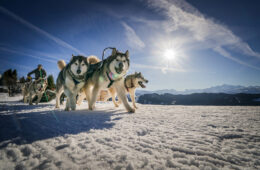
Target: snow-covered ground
point(155, 137)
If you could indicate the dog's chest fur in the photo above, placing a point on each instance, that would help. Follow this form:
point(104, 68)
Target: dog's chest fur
point(72, 86)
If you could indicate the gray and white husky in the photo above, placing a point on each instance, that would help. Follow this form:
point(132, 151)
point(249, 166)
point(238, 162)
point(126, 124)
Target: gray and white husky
point(70, 80)
point(131, 82)
point(109, 74)
point(32, 89)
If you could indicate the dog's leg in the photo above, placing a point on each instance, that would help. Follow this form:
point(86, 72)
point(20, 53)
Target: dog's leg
point(88, 94)
point(24, 98)
point(113, 95)
point(30, 99)
point(132, 96)
point(93, 99)
point(68, 94)
point(81, 98)
point(39, 98)
point(73, 101)
point(58, 94)
point(120, 89)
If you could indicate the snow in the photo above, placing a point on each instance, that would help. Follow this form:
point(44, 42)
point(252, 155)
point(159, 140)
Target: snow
point(155, 137)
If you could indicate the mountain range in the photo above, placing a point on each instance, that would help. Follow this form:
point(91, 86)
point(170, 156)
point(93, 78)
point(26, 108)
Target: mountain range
point(225, 88)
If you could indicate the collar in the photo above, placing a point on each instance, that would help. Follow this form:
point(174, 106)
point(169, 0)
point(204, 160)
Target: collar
point(76, 79)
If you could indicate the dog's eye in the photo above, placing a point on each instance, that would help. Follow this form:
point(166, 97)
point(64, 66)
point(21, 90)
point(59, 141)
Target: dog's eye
point(117, 60)
point(124, 61)
point(82, 64)
point(76, 64)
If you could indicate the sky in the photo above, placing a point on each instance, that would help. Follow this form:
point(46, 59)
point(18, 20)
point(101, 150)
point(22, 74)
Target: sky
point(176, 44)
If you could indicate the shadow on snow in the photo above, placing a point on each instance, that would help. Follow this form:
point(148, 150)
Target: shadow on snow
point(34, 126)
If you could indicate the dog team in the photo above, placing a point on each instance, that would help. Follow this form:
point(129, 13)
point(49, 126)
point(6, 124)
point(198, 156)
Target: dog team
point(89, 77)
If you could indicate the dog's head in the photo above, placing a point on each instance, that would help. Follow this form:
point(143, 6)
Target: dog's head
point(41, 84)
point(140, 80)
point(119, 63)
point(78, 65)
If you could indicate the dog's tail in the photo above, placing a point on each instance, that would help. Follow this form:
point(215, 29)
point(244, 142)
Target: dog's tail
point(61, 64)
point(93, 59)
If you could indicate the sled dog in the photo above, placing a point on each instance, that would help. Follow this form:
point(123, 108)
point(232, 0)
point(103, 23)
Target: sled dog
point(105, 74)
point(131, 82)
point(32, 89)
point(70, 80)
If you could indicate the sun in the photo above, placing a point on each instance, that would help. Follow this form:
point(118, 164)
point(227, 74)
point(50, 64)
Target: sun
point(169, 54)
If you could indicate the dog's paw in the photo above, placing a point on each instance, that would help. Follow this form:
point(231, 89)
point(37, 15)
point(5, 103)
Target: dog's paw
point(30, 104)
point(131, 110)
point(67, 109)
point(116, 105)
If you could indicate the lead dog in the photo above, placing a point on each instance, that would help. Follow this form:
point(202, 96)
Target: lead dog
point(70, 80)
point(109, 74)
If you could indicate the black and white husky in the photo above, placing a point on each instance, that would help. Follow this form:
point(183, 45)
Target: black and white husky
point(32, 89)
point(70, 80)
point(109, 74)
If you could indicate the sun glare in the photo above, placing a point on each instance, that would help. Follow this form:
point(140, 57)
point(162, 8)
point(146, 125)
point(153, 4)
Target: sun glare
point(169, 54)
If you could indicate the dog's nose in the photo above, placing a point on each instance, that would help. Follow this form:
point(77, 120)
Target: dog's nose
point(78, 71)
point(121, 65)
point(146, 81)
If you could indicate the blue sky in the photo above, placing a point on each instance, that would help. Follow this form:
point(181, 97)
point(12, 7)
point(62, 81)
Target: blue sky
point(175, 44)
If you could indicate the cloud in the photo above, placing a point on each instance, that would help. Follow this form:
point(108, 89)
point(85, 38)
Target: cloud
point(132, 38)
point(226, 54)
point(163, 69)
point(185, 22)
point(39, 30)
point(26, 54)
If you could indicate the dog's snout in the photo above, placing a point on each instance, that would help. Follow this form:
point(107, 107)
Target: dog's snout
point(120, 64)
point(78, 71)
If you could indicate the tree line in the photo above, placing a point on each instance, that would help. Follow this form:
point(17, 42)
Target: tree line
point(14, 85)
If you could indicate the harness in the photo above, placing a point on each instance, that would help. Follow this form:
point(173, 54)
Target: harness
point(111, 80)
point(132, 84)
point(76, 79)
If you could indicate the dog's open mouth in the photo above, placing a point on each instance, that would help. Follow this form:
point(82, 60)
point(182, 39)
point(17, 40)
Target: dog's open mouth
point(141, 84)
point(118, 70)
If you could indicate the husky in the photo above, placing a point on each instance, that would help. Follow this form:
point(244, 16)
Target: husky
point(105, 74)
point(32, 89)
point(131, 82)
point(70, 80)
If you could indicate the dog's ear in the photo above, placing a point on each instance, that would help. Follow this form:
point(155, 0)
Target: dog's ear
point(114, 52)
point(72, 57)
point(127, 53)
